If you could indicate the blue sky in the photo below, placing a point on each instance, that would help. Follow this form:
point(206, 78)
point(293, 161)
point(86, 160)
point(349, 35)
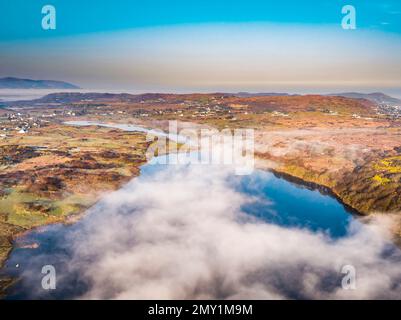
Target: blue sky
point(21, 18)
point(205, 45)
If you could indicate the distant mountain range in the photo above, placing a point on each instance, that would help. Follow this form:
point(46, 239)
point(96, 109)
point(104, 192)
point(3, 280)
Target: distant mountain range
point(73, 97)
point(17, 83)
point(376, 97)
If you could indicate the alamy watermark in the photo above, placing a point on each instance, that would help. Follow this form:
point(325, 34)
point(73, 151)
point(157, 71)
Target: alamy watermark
point(349, 20)
point(349, 280)
point(49, 281)
point(49, 18)
point(204, 146)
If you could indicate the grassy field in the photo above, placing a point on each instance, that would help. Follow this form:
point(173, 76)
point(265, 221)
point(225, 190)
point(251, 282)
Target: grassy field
point(58, 171)
point(338, 143)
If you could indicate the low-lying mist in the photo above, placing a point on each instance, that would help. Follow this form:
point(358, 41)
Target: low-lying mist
point(182, 234)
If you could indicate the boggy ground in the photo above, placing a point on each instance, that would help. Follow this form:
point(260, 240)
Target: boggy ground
point(55, 172)
point(361, 166)
point(345, 145)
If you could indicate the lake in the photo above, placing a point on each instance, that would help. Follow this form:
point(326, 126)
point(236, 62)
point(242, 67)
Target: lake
point(270, 201)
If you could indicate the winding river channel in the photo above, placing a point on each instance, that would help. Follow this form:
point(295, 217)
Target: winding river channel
point(226, 236)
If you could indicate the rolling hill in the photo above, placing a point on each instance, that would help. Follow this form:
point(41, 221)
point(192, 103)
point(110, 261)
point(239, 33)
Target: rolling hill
point(17, 83)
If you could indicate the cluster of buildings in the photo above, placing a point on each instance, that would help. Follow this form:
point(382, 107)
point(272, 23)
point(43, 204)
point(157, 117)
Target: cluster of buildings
point(19, 123)
point(187, 109)
point(393, 111)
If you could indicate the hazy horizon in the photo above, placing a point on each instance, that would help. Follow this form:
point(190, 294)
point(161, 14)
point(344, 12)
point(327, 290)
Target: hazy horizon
point(190, 47)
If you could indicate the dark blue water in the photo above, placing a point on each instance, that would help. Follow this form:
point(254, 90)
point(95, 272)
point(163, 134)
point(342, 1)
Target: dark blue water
point(294, 205)
point(277, 201)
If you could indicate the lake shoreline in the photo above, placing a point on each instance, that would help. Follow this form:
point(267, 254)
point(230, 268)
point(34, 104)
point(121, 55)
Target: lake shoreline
point(76, 217)
point(325, 190)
